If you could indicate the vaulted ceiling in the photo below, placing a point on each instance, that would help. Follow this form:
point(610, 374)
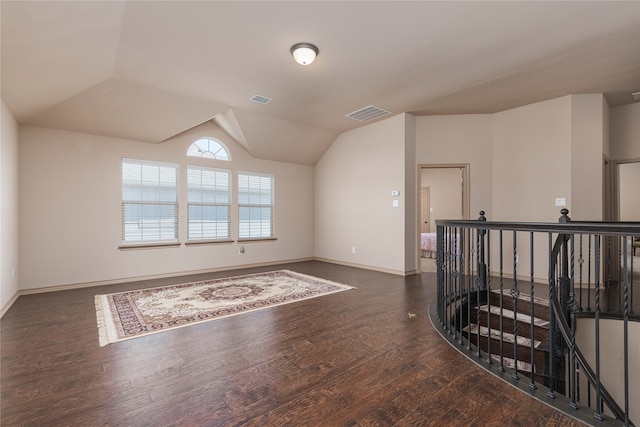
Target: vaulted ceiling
point(148, 70)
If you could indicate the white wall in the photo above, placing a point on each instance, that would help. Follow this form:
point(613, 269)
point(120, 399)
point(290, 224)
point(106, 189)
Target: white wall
point(625, 132)
point(588, 127)
point(9, 273)
point(531, 159)
point(629, 174)
point(353, 184)
point(460, 139)
point(70, 198)
point(410, 189)
point(612, 362)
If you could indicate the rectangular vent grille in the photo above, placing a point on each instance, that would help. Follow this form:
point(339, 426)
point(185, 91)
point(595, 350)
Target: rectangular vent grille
point(367, 113)
point(260, 99)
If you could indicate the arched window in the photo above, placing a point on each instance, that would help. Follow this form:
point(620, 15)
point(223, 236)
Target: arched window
point(209, 148)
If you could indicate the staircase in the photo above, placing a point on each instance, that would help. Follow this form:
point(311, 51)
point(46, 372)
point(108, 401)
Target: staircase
point(485, 329)
point(577, 348)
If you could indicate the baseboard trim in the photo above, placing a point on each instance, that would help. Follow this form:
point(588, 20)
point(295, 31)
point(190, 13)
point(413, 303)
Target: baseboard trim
point(9, 304)
point(190, 272)
point(154, 276)
point(367, 267)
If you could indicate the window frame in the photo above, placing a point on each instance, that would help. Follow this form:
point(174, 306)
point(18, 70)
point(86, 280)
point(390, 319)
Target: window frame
point(228, 205)
point(142, 203)
point(241, 205)
point(202, 151)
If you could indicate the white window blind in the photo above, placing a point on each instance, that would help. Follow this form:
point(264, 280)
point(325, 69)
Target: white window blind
point(149, 201)
point(255, 206)
point(209, 203)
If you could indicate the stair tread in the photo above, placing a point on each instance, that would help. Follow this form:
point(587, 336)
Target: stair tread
point(509, 363)
point(524, 297)
point(524, 318)
point(507, 336)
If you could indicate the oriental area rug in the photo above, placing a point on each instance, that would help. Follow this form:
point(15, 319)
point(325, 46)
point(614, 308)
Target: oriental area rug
point(132, 314)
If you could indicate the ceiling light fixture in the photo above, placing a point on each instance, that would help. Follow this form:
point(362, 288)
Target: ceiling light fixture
point(304, 53)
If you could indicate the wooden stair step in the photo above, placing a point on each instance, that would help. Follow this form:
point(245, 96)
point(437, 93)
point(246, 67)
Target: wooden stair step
point(510, 314)
point(482, 316)
point(509, 363)
point(523, 303)
point(524, 297)
point(506, 336)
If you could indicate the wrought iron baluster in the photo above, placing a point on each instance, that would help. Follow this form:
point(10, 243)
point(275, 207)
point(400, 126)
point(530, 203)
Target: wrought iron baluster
point(572, 315)
point(625, 335)
point(580, 262)
point(478, 301)
point(598, 402)
point(550, 393)
point(501, 368)
point(589, 278)
point(469, 281)
point(489, 360)
point(532, 384)
point(515, 294)
point(460, 272)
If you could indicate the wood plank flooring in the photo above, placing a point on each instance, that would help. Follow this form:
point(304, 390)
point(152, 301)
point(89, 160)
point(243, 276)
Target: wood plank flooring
point(353, 358)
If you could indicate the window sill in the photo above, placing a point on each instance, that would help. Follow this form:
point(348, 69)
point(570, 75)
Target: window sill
point(154, 245)
point(257, 239)
point(208, 242)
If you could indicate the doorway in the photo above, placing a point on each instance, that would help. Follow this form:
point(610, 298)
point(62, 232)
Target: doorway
point(444, 194)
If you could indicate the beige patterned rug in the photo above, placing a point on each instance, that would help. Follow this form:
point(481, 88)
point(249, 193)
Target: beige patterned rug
point(132, 314)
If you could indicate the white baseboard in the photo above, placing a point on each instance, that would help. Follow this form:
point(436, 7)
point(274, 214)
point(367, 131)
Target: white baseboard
point(153, 276)
point(367, 267)
point(185, 273)
point(9, 304)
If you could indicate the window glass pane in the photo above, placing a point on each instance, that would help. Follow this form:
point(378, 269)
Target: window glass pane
point(209, 148)
point(255, 206)
point(149, 201)
point(209, 208)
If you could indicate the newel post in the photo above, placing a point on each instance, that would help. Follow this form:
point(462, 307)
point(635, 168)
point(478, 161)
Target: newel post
point(565, 280)
point(482, 267)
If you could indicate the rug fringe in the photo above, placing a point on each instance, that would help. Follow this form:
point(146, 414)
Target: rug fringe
point(101, 319)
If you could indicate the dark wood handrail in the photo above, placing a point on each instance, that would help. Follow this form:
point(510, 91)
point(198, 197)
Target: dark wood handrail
point(574, 227)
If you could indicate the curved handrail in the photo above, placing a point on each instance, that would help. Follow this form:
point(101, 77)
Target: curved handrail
point(567, 334)
point(563, 305)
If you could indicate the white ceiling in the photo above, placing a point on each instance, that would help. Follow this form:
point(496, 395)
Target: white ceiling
point(148, 70)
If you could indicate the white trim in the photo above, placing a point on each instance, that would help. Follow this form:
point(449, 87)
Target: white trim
point(185, 273)
point(368, 267)
point(154, 276)
point(9, 304)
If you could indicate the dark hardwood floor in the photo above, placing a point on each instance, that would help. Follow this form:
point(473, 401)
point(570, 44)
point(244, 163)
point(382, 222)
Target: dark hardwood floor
point(351, 358)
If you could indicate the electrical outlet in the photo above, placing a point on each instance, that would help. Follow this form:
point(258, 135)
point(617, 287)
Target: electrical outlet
point(517, 259)
point(353, 249)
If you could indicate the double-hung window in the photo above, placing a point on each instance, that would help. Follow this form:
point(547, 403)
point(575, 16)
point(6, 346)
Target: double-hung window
point(255, 206)
point(209, 203)
point(149, 202)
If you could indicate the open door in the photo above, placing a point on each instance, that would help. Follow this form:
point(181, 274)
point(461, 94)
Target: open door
point(425, 211)
point(444, 194)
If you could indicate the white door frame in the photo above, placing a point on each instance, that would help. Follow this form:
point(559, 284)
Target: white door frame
point(466, 198)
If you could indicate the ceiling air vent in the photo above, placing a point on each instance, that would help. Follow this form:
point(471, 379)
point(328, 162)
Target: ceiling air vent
point(260, 99)
point(367, 113)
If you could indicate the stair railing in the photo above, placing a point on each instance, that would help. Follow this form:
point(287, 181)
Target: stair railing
point(467, 281)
